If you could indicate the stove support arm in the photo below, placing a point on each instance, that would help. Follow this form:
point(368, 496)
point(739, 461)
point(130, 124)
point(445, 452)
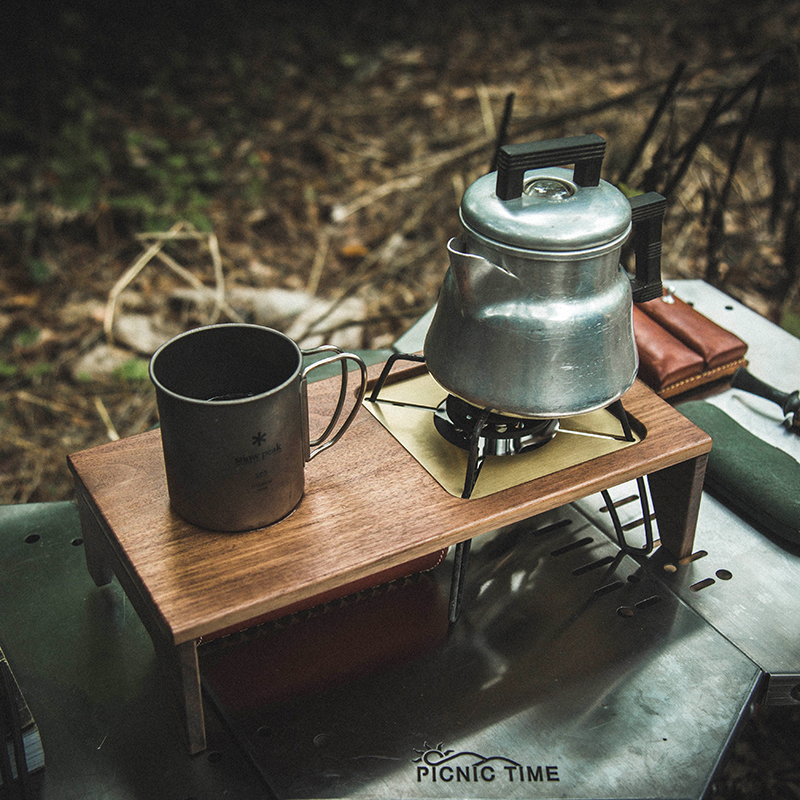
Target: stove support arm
point(460, 562)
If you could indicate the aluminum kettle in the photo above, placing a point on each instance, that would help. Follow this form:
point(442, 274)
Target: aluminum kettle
point(535, 315)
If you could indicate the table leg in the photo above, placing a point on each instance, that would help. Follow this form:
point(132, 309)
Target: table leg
point(192, 696)
point(183, 671)
point(676, 493)
point(98, 560)
point(178, 662)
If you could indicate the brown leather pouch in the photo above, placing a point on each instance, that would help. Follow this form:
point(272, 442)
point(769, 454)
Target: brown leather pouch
point(717, 345)
point(663, 360)
point(680, 348)
point(327, 646)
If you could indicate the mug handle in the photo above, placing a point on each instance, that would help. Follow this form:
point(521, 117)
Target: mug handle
point(322, 442)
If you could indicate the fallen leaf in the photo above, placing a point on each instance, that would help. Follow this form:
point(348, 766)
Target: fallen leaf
point(354, 250)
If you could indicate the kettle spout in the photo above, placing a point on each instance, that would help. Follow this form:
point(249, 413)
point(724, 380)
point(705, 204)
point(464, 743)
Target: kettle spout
point(471, 271)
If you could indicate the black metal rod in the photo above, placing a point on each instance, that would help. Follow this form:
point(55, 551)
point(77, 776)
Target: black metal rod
point(387, 368)
point(618, 410)
point(402, 404)
point(665, 98)
point(690, 148)
point(649, 542)
point(716, 232)
point(460, 563)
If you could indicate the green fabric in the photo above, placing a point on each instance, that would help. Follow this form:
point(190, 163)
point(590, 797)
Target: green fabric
point(756, 480)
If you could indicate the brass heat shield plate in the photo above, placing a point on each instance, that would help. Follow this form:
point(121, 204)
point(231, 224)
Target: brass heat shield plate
point(579, 439)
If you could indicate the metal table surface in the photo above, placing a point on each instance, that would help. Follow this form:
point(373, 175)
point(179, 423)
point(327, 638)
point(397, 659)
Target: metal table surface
point(87, 670)
point(556, 666)
point(755, 604)
point(571, 673)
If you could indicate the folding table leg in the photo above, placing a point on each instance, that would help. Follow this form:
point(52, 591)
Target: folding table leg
point(188, 677)
point(178, 662)
point(98, 560)
point(676, 493)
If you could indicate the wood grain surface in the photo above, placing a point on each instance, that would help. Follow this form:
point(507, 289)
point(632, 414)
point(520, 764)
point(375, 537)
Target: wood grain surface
point(368, 506)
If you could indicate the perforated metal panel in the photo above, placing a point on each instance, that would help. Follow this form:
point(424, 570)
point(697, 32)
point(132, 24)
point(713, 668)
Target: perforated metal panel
point(572, 673)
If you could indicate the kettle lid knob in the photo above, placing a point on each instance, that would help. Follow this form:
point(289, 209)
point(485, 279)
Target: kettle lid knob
point(514, 160)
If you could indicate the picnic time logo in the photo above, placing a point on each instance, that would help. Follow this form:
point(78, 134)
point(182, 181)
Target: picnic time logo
point(435, 765)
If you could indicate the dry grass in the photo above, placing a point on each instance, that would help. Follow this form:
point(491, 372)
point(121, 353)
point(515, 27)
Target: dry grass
point(365, 149)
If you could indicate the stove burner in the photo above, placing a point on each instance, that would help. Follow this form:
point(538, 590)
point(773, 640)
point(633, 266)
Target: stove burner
point(483, 433)
point(497, 435)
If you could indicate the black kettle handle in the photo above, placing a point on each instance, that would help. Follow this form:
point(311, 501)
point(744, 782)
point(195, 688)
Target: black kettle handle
point(514, 160)
point(647, 214)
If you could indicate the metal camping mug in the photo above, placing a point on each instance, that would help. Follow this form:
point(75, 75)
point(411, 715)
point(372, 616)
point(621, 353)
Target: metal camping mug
point(233, 404)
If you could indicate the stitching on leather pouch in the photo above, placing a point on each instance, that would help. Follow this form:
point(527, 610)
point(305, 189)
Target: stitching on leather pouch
point(274, 624)
point(704, 377)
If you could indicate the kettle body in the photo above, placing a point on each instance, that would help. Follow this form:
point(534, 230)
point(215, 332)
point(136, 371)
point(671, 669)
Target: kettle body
point(534, 317)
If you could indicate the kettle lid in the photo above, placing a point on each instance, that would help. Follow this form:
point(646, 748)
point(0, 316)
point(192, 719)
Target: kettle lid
point(549, 208)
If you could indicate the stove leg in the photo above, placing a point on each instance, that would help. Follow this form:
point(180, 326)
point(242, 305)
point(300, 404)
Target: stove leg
point(676, 493)
point(475, 458)
point(387, 368)
point(460, 563)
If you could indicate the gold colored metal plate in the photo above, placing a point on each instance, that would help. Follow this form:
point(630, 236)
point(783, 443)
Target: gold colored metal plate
point(579, 439)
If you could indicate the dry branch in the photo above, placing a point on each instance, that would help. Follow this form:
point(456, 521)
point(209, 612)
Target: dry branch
point(181, 230)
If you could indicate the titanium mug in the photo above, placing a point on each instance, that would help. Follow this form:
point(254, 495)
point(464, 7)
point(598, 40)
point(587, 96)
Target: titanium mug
point(233, 404)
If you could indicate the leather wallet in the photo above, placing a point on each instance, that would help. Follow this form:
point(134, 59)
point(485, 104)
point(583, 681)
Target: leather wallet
point(717, 345)
point(680, 348)
point(663, 359)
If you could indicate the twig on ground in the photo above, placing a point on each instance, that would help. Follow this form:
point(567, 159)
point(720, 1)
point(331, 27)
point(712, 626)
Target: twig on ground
point(219, 279)
point(378, 254)
point(399, 184)
point(32, 484)
point(196, 283)
point(486, 110)
point(323, 243)
point(50, 405)
point(125, 280)
point(105, 416)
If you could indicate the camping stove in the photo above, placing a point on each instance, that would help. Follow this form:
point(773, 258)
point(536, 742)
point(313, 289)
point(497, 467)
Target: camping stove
point(498, 435)
point(475, 453)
